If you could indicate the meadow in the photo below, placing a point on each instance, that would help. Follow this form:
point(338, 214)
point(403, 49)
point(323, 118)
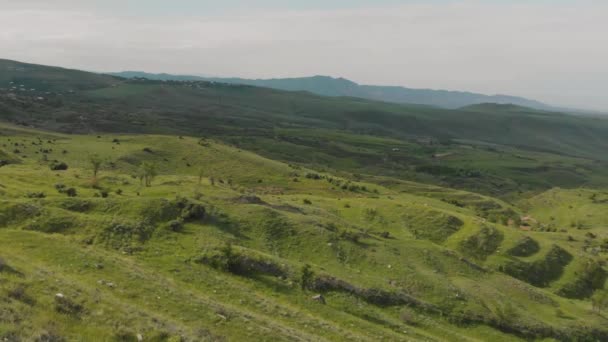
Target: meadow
point(187, 211)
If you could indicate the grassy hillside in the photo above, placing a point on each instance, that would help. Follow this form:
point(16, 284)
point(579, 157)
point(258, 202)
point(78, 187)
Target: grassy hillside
point(187, 211)
point(215, 249)
point(498, 150)
point(36, 79)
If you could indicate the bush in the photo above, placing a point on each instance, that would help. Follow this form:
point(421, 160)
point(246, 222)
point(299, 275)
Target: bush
point(66, 306)
point(71, 192)
point(53, 223)
point(176, 225)
point(306, 201)
point(35, 194)
point(190, 210)
point(75, 204)
point(58, 166)
point(103, 193)
point(122, 234)
point(307, 277)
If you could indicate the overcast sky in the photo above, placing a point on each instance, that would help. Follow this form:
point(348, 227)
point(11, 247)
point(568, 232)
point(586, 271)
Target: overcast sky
point(554, 51)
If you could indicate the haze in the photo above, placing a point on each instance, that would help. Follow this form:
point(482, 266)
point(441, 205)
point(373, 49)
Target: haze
point(552, 51)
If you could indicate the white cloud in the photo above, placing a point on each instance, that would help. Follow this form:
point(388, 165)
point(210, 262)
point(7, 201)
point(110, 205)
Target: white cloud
point(553, 52)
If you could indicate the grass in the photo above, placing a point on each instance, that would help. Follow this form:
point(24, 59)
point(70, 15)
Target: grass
point(418, 223)
point(117, 259)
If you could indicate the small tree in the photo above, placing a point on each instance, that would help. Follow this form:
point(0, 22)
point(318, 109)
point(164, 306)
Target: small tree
point(147, 172)
point(96, 162)
point(201, 173)
point(307, 277)
point(599, 300)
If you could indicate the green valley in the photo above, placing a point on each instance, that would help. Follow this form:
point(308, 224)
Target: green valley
point(137, 209)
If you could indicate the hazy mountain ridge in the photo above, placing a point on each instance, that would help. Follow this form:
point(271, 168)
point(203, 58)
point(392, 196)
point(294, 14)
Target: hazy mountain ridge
point(329, 86)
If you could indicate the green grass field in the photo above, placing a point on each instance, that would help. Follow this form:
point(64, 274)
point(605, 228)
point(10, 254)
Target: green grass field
point(225, 212)
point(402, 262)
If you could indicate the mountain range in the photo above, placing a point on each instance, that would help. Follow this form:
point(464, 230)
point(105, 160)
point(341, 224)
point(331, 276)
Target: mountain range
point(338, 87)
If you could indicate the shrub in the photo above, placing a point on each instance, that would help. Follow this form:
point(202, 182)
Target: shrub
point(58, 166)
point(35, 194)
point(71, 192)
point(350, 236)
point(190, 210)
point(103, 193)
point(75, 204)
point(313, 176)
point(123, 234)
point(52, 223)
point(66, 306)
point(307, 277)
point(306, 201)
point(18, 293)
point(176, 225)
point(224, 259)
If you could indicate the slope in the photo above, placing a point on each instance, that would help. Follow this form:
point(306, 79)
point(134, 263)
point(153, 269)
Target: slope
point(216, 248)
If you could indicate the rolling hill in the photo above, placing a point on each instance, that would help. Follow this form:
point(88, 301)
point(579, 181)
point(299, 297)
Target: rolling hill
point(162, 210)
point(340, 87)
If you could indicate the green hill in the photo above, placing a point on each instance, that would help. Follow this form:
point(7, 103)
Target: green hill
point(537, 149)
point(223, 212)
point(329, 86)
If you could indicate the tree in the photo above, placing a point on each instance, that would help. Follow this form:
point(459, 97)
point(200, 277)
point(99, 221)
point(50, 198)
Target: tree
point(599, 300)
point(96, 162)
point(307, 277)
point(147, 172)
point(201, 173)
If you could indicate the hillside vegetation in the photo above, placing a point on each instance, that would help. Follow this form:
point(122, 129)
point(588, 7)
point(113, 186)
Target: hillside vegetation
point(329, 86)
point(172, 211)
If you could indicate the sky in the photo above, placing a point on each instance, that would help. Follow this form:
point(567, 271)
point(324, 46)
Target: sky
point(553, 51)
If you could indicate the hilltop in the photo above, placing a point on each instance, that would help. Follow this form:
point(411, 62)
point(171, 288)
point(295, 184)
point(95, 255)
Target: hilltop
point(341, 87)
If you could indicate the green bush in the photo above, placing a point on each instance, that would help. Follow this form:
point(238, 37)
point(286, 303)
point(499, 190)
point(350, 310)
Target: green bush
point(176, 225)
point(75, 204)
point(35, 194)
point(53, 223)
point(67, 306)
point(58, 166)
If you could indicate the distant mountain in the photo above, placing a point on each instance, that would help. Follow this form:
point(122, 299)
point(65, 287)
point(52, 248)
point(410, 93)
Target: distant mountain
point(329, 86)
